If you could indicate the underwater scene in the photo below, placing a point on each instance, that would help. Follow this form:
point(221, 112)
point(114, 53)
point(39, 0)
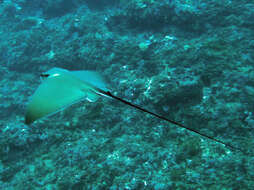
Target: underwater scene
point(126, 95)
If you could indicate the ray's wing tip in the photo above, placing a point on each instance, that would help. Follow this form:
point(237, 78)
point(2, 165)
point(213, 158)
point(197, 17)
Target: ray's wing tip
point(27, 121)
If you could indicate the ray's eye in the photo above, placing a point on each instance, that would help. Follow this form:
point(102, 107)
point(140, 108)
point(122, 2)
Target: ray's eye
point(44, 76)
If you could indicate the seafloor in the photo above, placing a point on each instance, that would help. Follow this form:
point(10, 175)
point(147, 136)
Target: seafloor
point(190, 61)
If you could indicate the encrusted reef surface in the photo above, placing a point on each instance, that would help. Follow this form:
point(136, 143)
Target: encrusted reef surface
point(190, 61)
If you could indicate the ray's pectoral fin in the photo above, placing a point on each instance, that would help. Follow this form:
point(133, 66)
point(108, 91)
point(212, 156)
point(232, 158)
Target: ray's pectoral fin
point(51, 96)
point(61, 88)
point(57, 91)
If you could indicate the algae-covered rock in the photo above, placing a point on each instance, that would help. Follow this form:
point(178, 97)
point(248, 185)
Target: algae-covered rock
point(189, 61)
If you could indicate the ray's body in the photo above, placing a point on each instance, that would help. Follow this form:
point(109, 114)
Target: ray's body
point(62, 88)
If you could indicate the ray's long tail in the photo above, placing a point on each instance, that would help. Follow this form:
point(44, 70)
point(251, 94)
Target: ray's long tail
point(107, 93)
